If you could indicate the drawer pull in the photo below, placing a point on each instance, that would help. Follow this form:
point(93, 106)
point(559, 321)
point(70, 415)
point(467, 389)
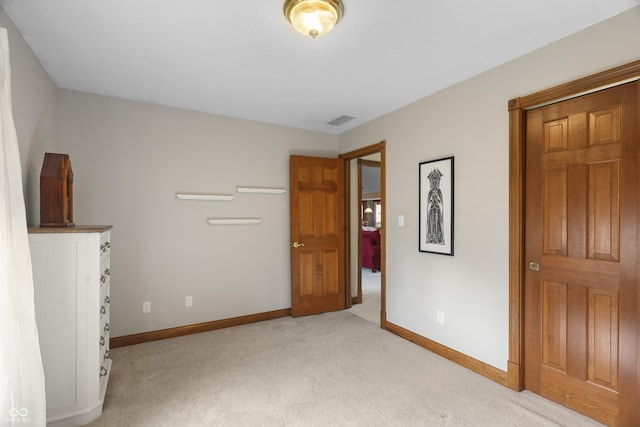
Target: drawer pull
point(103, 371)
point(105, 246)
point(103, 310)
point(106, 355)
point(107, 300)
point(102, 341)
point(104, 276)
point(106, 327)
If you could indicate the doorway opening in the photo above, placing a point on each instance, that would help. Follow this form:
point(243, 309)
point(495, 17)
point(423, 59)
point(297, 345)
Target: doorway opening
point(365, 226)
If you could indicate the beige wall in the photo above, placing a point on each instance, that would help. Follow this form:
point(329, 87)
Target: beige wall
point(470, 121)
point(33, 100)
point(130, 159)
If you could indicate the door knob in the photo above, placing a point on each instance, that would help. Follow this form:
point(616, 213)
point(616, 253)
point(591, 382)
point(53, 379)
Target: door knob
point(534, 266)
point(298, 244)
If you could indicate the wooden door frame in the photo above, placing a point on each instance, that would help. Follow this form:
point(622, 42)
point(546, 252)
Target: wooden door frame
point(518, 108)
point(347, 157)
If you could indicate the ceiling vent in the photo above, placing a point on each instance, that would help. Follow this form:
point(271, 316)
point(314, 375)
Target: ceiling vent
point(339, 121)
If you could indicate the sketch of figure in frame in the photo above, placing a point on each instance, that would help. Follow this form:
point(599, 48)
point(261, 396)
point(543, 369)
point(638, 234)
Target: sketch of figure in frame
point(435, 209)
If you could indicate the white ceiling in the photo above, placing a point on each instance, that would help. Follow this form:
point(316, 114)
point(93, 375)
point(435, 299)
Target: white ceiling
point(243, 59)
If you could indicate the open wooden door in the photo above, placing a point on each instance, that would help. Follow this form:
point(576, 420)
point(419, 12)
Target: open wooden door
point(581, 247)
point(317, 235)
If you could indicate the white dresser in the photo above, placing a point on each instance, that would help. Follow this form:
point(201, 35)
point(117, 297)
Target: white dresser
point(71, 275)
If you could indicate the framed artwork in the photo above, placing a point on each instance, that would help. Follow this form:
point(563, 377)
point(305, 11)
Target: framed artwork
point(436, 206)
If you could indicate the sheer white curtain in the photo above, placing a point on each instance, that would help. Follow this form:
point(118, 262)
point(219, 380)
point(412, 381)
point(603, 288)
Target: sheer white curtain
point(22, 397)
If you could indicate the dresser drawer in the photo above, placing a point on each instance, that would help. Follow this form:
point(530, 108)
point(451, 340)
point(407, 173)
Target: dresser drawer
point(105, 271)
point(105, 245)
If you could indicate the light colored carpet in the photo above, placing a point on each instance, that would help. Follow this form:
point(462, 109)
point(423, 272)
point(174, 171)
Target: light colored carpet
point(371, 297)
point(333, 369)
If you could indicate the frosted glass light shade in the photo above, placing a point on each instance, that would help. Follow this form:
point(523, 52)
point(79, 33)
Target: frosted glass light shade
point(313, 17)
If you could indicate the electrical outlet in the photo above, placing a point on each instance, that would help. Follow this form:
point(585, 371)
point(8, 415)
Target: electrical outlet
point(440, 317)
point(188, 301)
point(146, 307)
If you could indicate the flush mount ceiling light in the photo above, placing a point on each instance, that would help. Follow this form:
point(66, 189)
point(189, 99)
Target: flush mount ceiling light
point(313, 17)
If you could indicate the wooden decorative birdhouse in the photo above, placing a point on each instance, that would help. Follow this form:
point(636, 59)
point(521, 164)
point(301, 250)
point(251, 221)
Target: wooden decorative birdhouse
point(56, 191)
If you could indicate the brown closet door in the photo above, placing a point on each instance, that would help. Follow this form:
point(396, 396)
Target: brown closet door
point(581, 242)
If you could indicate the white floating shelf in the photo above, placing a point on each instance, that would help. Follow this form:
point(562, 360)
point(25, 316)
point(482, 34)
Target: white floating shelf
point(234, 221)
point(261, 190)
point(203, 196)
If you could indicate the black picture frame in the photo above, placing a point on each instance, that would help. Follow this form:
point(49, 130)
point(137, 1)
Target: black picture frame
point(436, 179)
